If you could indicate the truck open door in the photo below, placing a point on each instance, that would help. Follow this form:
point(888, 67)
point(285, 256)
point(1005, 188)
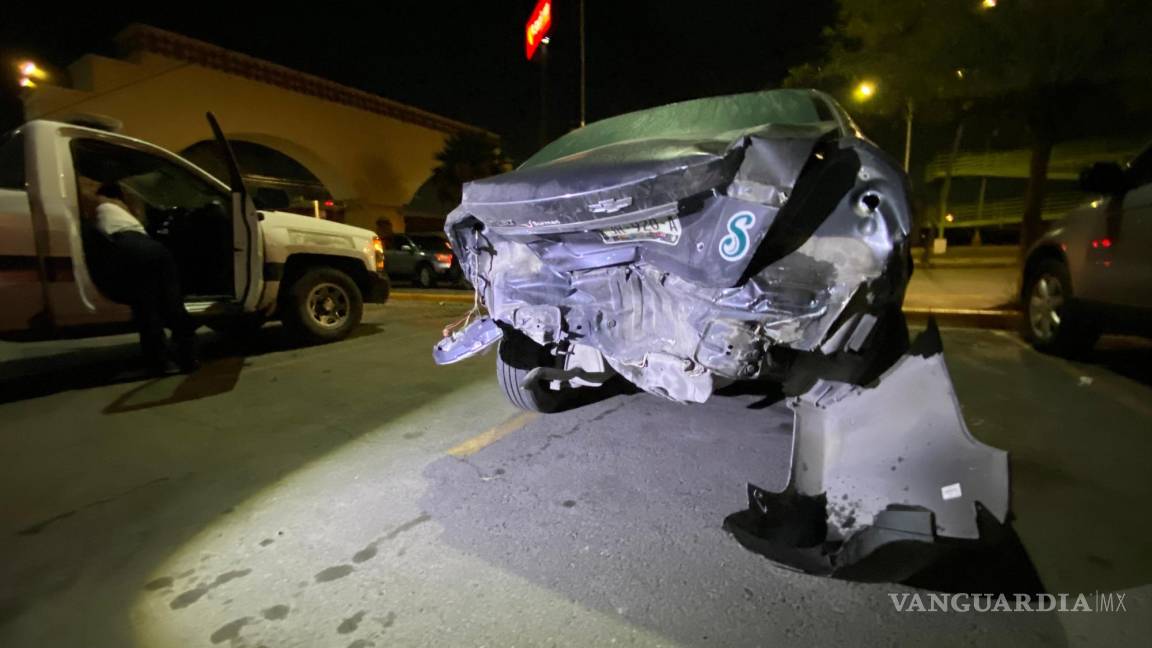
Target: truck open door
point(247, 246)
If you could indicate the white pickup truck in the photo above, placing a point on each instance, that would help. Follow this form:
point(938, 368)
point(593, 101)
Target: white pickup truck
point(240, 264)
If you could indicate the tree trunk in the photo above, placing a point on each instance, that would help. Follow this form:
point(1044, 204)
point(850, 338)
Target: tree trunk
point(1031, 225)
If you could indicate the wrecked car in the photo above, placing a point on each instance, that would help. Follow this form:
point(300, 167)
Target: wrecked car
point(743, 238)
point(683, 248)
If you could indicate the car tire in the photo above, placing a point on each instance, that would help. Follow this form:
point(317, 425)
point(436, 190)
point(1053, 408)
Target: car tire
point(323, 305)
point(424, 277)
point(516, 356)
point(1052, 321)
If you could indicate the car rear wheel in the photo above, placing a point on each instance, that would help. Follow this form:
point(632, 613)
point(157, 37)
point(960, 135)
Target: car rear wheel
point(425, 278)
point(517, 355)
point(1051, 320)
point(323, 305)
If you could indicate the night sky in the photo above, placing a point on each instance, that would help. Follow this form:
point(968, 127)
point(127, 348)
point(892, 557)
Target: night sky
point(466, 60)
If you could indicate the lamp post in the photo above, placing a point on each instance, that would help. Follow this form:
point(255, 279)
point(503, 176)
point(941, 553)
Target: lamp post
point(583, 76)
point(30, 73)
point(865, 91)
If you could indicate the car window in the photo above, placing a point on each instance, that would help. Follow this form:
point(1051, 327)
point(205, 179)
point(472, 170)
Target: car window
point(12, 161)
point(1140, 169)
point(158, 182)
point(431, 243)
point(695, 119)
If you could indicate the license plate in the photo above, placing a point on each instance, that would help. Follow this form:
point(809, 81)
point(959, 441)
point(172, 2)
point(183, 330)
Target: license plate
point(664, 229)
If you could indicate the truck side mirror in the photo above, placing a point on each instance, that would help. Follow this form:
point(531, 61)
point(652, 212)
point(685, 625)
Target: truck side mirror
point(1106, 178)
point(269, 198)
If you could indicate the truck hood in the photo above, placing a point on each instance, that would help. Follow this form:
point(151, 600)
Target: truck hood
point(316, 225)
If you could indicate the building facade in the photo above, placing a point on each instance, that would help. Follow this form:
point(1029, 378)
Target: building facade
point(359, 157)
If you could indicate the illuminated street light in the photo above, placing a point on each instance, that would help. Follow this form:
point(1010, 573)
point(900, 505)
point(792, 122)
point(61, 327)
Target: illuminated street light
point(865, 91)
point(949, 218)
point(30, 70)
point(25, 82)
point(960, 74)
point(988, 4)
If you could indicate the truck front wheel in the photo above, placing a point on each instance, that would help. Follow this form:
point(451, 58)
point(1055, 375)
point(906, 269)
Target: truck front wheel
point(322, 305)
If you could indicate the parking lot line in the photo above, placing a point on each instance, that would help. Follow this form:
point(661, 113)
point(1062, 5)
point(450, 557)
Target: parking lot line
point(491, 435)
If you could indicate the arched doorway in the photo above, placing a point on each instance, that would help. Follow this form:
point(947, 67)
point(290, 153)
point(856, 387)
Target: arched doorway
point(264, 167)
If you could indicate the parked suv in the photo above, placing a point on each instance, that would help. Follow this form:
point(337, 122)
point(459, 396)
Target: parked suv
point(423, 258)
point(1093, 272)
point(239, 264)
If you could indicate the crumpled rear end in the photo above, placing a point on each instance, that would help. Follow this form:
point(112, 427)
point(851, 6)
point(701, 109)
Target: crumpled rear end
point(787, 238)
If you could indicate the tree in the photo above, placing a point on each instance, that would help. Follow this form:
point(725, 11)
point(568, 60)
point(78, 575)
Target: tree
point(1064, 66)
point(466, 156)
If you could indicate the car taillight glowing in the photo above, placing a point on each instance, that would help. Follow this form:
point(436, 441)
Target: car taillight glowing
point(443, 257)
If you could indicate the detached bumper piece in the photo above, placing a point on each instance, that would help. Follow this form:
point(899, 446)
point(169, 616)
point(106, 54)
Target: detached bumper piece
point(885, 479)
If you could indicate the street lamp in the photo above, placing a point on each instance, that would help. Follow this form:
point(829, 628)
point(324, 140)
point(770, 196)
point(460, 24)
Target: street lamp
point(988, 4)
point(865, 90)
point(30, 72)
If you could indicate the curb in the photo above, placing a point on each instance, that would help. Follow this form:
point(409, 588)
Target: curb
point(963, 264)
point(988, 318)
point(445, 298)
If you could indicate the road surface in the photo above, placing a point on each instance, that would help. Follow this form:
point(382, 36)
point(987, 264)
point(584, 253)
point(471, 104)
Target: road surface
point(354, 495)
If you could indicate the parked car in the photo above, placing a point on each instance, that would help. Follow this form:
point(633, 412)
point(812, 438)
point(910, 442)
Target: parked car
point(1092, 273)
point(239, 264)
point(424, 258)
point(685, 247)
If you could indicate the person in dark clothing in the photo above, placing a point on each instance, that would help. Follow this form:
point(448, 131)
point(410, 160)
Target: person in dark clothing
point(150, 281)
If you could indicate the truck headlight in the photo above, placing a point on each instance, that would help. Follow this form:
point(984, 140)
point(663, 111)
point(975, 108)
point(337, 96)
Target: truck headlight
point(378, 246)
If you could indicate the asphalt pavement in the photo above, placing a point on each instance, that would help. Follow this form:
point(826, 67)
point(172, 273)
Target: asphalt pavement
point(355, 495)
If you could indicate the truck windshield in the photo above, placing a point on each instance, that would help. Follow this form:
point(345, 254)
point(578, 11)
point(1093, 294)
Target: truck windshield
point(696, 119)
point(12, 160)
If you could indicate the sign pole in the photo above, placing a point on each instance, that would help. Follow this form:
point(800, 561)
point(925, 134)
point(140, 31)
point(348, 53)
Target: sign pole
point(583, 78)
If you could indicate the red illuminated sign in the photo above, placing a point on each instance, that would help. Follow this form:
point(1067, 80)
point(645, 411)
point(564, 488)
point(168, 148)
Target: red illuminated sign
point(539, 23)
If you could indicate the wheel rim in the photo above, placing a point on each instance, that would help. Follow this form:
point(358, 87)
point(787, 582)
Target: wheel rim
point(1044, 304)
point(425, 277)
point(328, 305)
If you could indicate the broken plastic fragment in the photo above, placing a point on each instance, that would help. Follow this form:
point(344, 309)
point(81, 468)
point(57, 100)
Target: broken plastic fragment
point(468, 342)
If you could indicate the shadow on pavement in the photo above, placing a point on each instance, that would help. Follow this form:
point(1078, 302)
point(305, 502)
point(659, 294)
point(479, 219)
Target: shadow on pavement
point(99, 366)
point(1124, 356)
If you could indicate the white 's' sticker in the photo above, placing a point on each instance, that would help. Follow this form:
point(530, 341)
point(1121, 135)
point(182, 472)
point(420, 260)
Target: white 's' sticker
point(951, 492)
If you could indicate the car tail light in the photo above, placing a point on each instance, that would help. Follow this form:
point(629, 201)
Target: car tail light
point(443, 257)
point(378, 246)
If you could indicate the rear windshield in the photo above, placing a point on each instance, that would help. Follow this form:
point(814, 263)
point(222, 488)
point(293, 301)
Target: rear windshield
point(430, 243)
point(695, 119)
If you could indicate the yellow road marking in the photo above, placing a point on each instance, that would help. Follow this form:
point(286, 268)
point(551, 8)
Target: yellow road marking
point(492, 435)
